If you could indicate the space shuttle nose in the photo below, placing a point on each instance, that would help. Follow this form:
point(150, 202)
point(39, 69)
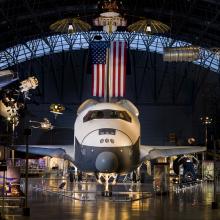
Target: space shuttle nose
point(106, 162)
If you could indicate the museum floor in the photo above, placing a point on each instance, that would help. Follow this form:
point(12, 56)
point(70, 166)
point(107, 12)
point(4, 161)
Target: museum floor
point(48, 204)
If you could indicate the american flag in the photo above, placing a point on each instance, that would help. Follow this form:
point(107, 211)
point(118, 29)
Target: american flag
point(117, 71)
point(98, 56)
point(117, 68)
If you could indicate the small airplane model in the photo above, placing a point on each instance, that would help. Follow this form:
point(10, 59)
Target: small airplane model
point(45, 124)
point(107, 142)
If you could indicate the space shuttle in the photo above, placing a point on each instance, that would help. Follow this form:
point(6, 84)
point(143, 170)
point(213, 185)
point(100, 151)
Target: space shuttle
point(107, 135)
point(107, 141)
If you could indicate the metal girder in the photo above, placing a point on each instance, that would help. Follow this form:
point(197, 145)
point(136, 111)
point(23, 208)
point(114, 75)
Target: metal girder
point(68, 42)
point(33, 16)
point(37, 23)
point(203, 31)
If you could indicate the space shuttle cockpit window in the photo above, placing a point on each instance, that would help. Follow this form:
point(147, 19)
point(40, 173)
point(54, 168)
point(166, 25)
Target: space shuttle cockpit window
point(107, 114)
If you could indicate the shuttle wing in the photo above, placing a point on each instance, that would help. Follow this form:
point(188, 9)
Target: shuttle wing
point(153, 152)
point(59, 151)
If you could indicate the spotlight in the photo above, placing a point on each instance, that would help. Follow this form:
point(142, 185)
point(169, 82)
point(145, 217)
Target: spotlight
point(148, 29)
point(70, 28)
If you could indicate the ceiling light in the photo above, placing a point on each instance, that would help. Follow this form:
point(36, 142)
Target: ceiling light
point(149, 26)
point(70, 28)
point(70, 25)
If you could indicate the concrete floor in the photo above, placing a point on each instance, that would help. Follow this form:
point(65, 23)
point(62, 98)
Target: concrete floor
point(192, 204)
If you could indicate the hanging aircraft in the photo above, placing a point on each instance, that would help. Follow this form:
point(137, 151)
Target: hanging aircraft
point(107, 142)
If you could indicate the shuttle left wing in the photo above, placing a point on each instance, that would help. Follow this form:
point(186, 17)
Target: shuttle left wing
point(154, 152)
point(59, 151)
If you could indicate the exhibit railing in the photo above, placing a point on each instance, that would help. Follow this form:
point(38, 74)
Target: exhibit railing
point(92, 191)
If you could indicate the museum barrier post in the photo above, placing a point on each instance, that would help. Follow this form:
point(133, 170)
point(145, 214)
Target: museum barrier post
point(26, 209)
point(215, 202)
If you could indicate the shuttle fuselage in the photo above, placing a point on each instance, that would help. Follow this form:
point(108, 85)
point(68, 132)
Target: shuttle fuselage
point(107, 139)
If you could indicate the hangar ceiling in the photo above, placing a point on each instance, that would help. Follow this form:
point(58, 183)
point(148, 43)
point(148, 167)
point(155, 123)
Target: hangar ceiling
point(26, 22)
point(195, 21)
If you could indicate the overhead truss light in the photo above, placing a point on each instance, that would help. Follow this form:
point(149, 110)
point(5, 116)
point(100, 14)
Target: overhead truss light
point(149, 26)
point(70, 28)
point(70, 25)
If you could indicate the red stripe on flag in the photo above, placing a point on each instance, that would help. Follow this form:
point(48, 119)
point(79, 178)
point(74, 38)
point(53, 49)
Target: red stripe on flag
point(93, 78)
point(125, 65)
point(118, 73)
point(119, 68)
point(97, 81)
point(103, 80)
point(114, 67)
